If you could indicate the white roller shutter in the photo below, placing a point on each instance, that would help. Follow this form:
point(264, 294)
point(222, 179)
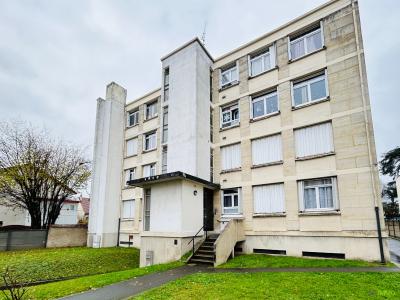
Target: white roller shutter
point(131, 147)
point(267, 150)
point(314, 140)
point(269, 198)
point(230, 157)
point(128, 209)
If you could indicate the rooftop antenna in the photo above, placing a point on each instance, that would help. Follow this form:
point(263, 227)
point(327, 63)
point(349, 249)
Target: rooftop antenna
point(203, 35)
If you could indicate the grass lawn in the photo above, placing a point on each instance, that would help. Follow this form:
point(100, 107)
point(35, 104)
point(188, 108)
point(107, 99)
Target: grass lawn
point(43, 264)
point(68, 287)
point(280, 286)
point(271, 261)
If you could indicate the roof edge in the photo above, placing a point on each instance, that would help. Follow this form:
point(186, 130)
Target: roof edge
point(196, 39)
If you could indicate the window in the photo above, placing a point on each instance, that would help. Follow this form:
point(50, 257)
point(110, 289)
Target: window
point(128, 209)
point(269, 198)
point(130, 174)
point(264, 105)
point(231, 201)
point(318, 194)
point(165, 126)
point(131, 147)
point(229, 76)
point(150, 141)
point(151, 110)
point(133, 118)
point(230, 157)
point(306, 43)
point(266, 150)
point(314, 140)
point(164, 160)
point(261, 62)
point(147, 204)
point(230, 115)
point(310, 90)
point(166, 85)
point(72, 207)
point(149, 170)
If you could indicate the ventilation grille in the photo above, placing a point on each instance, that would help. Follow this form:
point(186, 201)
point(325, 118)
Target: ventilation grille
point(270, 251)
point(324, 254)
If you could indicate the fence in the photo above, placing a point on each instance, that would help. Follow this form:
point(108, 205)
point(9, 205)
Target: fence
point(393, 228)
point(22, 239)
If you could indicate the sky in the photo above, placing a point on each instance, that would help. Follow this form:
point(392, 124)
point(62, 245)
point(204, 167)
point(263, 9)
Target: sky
point(56, 57)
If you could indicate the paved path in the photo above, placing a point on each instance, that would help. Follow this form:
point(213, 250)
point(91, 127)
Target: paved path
point(394, 248)
point(138, 285)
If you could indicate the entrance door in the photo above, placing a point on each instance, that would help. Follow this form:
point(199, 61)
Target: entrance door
point(208, 209)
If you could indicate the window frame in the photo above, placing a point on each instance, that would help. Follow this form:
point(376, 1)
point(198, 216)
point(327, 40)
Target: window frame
point(145, 137)
point(264, 97)
point(238, 207)
point(283, 200)
point(131, 217)
point(230, 69)
point(279, 134)
point(152, 167)
point(128, 118)
point(126, 147)
point(304, 37)
point(266, 51)
point(307, 81)
point(231, 105)
point(155, 103)
point(240, 157)
point(335, 198)
point(128, 173)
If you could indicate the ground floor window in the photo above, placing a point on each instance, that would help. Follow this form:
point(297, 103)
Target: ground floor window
point(147, 202)
point(318, 194)
point(231, 201)
point(128, 209)
point(269, 199)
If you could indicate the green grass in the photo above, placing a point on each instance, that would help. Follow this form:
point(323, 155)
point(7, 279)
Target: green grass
point(44, 264)
point(68, 287)
point(280, 286)
point(270, 261)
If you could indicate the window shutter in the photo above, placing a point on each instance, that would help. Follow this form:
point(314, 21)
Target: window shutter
point(335, 194)
point(131, 147)
point(230, 157)
point(313, 140)
point(272, 55)
point(267, 150)
point(288, 46)
point(269, 198)
point(322, 33)
point(300, 187)
point(126, 176)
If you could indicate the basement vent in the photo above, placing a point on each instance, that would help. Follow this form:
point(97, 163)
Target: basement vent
point(324, 254)
point(270, 251)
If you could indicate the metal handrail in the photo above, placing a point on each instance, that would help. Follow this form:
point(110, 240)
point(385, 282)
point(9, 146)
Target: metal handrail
point(192, 240)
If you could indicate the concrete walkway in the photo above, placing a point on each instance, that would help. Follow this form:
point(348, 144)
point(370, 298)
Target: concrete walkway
point(394, 248)
point(138, 285)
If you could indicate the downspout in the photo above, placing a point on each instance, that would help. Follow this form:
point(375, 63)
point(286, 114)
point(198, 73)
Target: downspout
point(367, 127)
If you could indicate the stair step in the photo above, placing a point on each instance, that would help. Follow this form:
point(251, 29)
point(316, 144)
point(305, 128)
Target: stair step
point(201, 261)
point(206, 248)
point(208, 243)
point(205, 251)
point(205, 256)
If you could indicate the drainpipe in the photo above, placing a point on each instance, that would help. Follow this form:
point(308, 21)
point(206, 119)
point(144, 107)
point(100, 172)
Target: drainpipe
point(367, 127)
point(119, 227)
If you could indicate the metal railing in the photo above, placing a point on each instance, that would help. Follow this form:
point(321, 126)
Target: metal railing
point(393, 227)
point(192, 240)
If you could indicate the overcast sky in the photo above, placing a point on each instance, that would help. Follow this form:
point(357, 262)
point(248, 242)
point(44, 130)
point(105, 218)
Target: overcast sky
point(56, 57)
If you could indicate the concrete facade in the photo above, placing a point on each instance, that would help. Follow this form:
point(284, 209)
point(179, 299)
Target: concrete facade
point(196, 134)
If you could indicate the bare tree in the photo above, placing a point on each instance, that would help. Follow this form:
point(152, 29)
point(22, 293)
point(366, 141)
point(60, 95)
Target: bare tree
point(12, 283)
point(38, 173)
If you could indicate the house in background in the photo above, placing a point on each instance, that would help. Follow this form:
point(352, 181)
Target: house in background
point(268, 148)
point(83, 209)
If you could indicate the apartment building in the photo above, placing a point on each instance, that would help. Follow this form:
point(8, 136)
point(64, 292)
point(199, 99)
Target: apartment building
point(270, 147)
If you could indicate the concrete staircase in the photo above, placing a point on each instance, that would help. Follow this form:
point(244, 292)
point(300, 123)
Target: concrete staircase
point(205, 254)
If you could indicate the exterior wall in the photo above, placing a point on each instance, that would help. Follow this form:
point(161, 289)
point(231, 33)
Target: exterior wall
point(66, 236)
point(107, 162)
point(9, 216)
point(68, 215)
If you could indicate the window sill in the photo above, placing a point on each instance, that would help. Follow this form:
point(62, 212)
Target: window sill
point(127, 219)
point(227, 217)
point(150, 150)
point(265, 117)
point(275, 163)
point(225, 87)
point(267, 215)
point(264, 72)
point(307, 55)
point(131, 126)
point(129, 156)
point(320, 213)
point(231, 171)
point(314, 156)
point(311, 103)
point(229, 127)
point(145, 120)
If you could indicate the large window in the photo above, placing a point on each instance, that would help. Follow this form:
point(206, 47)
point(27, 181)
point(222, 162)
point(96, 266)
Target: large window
point(133, 118)
point(166, 85)
point(269, 198)
point(164, 160)
point(310, 90)
point(266, 150)
point(128, 209)
point(149, 170)
point(314, 140)
point(151, 110)
point(230, 115)
point(130, 174)
point(231, 201)
point(165, 125)
point(131, 147)
point(230, 157)
point(262, 61)
point(318, 194)
point(147, 205)
point(306, 43)
point(150, 141)
point(264, 105)
point(229, 76)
